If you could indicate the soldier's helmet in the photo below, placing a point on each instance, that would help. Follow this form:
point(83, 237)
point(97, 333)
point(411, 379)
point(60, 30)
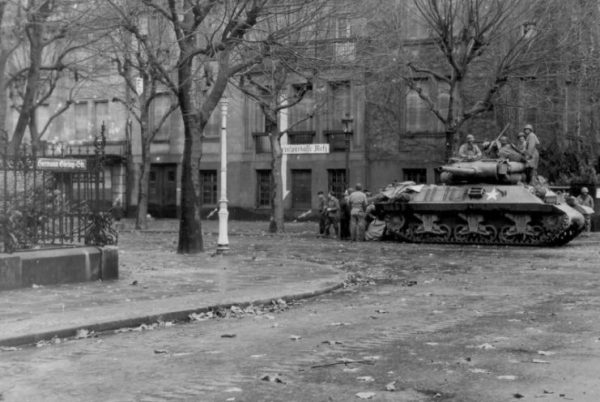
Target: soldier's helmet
point(584, 190)
point(470, 137)
point(528, 127)
point(521, 134)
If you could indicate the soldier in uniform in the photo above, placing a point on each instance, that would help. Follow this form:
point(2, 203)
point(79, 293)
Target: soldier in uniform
point(469, 151)
point(585, 199)
point(532, 154)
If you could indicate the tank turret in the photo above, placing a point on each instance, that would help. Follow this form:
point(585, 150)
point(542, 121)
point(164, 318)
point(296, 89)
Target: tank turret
point(490, 171)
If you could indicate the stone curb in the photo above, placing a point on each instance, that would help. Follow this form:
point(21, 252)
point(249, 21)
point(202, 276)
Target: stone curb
point(177, 316)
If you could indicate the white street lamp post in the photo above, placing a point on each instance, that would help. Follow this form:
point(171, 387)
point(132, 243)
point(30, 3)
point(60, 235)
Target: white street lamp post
point(223, 240)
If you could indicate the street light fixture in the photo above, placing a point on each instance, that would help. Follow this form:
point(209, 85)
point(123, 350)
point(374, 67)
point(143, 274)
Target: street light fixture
point(347, 122)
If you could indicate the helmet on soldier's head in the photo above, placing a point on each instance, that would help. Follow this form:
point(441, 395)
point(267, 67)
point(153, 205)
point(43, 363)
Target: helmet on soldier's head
point(584, 190)
point(528, 127)
point(470, 137)
point(521, 134)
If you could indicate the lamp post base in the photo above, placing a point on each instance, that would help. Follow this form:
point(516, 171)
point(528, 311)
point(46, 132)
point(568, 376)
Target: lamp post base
point(222, 249)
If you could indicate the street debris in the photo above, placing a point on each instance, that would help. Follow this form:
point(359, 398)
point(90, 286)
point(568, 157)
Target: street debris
point(545, 353)
point(507, 377)
point(228, 335)
point(160, 351)
point(344, 361)
point(339, 324)
point(366, 378)
point(518, 396)
point(539, 361)
point(272, 378)
point(8, 349)
point(366, 395)
point(295, 337)
point(83, 333)
point(390, 386)
point(486, 346)
point(332, 342)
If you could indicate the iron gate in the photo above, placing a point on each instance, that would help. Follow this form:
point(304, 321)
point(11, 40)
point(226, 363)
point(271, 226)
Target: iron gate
point(54, 196)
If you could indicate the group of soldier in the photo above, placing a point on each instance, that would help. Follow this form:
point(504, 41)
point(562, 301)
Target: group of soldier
point(525, 151)
point(347, 217)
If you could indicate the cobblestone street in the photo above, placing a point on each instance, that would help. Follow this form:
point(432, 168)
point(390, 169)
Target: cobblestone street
point(414, 323)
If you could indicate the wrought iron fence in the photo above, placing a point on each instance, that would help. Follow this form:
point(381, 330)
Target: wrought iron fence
point(54, 196)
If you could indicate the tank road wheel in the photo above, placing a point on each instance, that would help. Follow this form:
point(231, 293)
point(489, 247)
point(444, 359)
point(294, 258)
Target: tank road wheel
point(474, 231)
point(485, 234)
point(444, 234)
point(489, 234)
point(461, 234)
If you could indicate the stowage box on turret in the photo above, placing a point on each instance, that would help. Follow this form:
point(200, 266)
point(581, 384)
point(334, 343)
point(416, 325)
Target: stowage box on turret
point(481, 202)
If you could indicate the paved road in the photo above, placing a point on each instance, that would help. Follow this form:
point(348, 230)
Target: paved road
point(433, 322)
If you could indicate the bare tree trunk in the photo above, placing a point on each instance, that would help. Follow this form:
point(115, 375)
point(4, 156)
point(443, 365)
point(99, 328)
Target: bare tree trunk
point(450, 140)
point(34, 29)
point(190, 230)
point(141, 219)
point(277, 219)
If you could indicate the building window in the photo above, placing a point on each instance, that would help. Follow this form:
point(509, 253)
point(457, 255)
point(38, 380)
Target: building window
point(336, 181)
point(262, 143)
point(337, 141)
point(208, 186)
point(264, 188)
point(339, 103)
point(101, 116)
point(160, 106)
point(416, 175)
point(299, 114)
point(300, 137)
point(213, 126)
point(418, 115)
point(416, 26)
point(81, 121)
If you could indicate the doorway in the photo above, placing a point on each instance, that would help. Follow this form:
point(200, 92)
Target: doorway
point(162, 191)
point(301, 189)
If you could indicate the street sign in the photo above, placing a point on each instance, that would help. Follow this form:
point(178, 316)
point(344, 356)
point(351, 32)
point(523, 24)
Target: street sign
point(61, 165)
point(305, 149)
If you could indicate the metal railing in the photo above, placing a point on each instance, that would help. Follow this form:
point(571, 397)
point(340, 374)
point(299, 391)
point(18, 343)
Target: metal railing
point(53, 197)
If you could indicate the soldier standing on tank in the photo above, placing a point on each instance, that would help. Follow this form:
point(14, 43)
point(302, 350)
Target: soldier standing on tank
point(586, 200)
point(532, 154)
point(468, 151)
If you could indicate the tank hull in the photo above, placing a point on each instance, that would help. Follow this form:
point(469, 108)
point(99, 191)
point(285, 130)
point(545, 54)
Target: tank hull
point(492, 214)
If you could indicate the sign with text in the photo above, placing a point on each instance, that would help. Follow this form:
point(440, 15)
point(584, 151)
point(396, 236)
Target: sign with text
point(305, 149)
point(61, 165)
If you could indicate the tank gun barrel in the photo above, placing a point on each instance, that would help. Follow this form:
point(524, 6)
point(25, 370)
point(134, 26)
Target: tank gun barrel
point(466, 171)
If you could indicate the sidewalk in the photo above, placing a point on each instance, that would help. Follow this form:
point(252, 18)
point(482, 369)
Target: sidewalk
point(156, 284)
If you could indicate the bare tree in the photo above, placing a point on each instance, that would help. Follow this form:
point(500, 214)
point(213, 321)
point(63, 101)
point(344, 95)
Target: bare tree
point(56, 35)
point(286, 77)
point(482, 41)
point(143, 85)
point(210, 37)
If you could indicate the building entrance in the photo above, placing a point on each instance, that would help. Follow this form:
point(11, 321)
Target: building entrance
point(162, 191)
point(301, 189)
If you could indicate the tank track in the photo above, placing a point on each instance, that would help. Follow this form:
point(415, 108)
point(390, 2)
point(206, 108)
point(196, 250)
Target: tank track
point(510, 229)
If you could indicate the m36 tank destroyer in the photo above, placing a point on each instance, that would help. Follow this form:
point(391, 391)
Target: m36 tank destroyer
point(481, 202)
